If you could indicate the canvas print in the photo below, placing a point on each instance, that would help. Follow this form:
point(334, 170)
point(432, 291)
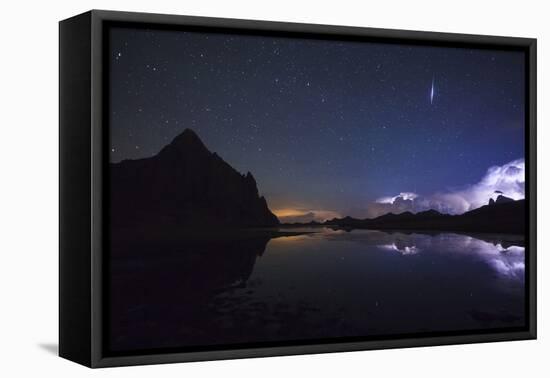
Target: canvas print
point(281, 190)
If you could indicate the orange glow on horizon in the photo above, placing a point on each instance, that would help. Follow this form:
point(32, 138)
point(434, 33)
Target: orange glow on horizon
point(288, 212)
point(293, 214)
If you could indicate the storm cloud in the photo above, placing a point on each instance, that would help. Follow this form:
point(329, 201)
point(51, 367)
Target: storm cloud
point(507, 179)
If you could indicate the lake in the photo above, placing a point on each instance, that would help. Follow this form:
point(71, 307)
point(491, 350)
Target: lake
point(319, 283)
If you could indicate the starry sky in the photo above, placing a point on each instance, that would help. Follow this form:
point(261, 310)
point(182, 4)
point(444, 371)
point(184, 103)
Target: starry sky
point(326, 127)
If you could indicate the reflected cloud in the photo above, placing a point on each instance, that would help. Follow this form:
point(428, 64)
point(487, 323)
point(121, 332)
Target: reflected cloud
point(509, 261)
point(405, 250)
point(501, 252)
point(506, 261)
point(515, 269)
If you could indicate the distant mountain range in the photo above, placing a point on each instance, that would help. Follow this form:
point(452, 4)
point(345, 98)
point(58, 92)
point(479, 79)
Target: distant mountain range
point(501, 216)
point(185, 185)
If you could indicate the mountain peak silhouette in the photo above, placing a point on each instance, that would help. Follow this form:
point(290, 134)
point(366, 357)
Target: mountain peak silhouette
point(185, 143)
point(500, 199)
point(187, 136)
point(185, 185)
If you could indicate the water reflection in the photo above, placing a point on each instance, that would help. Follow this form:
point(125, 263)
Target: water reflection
point(504, 253)
point(507, 261)
point(401, 248)
point(322, 283)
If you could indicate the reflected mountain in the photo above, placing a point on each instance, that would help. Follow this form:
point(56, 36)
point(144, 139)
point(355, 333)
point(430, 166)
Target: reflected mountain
point(155, 283)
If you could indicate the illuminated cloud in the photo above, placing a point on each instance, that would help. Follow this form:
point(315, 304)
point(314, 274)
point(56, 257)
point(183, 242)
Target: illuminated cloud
point(508, 180)
point(404, 195)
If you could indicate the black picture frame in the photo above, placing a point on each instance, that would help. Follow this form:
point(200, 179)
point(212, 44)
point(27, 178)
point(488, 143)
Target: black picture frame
point(83, 159)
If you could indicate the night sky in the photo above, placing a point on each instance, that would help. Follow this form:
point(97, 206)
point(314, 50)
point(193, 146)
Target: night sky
point(324, 126)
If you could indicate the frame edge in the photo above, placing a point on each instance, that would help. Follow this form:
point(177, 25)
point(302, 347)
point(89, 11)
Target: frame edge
point(98, 17)
point(75, 272)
